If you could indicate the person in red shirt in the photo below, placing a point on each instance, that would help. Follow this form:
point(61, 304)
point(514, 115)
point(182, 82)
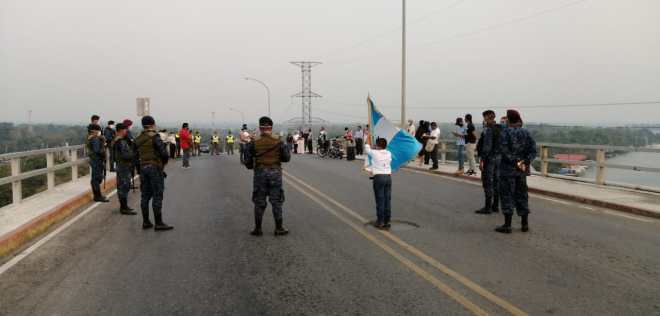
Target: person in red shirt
point(186, 144)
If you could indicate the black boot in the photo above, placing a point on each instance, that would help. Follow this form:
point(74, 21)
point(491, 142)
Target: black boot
point(506, 228)
point(525, 224)
point(386, 223)
point(279, 228)
point(98, 197)
point(123, 208)
point(160, 225)
point(486, 208)
point(257, 227)
point(146, 223)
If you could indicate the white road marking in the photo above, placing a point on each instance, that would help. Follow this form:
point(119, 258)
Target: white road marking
point(22, 255)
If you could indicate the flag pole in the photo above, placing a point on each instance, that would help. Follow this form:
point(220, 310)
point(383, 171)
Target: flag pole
point(371, 125)
point(403, 65)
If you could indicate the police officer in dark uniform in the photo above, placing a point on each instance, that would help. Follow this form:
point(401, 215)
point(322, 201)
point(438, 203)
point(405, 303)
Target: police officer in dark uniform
point(153, 157)
point(109, 133)
point(265, 155)
point(488, 149)
point(518, 151)
point(124, 155)
point(95, 146)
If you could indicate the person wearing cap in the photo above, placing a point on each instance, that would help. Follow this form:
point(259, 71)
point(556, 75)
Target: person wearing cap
point(124, 156)
point(518, 151)
point(109, 134)
point(488, 150)
point(95, 146)
point(185, 141)
point(265, 155)
point(153, 157)
point(215, 141)
point(229, 143)
point(244, 139)
point(197, 141)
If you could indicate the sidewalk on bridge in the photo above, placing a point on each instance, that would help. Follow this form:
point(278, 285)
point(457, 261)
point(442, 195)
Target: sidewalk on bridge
point(616, 198)
point(22, 222)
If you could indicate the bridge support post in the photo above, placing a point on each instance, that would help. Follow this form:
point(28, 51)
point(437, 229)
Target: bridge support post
point(50, 163)
point(16, 189)
point(544, 160)
point(73, 157)
point(600, 167)
point(443, 152)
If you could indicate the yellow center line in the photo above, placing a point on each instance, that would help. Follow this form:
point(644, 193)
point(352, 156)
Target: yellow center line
point(428, 259)
point(476, 310)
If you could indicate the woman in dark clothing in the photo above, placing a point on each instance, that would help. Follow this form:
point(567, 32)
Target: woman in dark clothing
point(422, 136)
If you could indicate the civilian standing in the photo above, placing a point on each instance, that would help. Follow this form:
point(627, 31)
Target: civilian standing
point(381, 160)
point(459, 132)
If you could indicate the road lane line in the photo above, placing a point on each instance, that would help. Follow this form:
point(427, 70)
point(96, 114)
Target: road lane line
point(428, 259)
point(453, 294)
point(23, 254)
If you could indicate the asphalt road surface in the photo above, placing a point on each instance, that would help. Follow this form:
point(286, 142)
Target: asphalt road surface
point(438, 259)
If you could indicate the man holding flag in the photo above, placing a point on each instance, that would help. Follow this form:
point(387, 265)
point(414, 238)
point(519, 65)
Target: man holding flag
point(394, 148)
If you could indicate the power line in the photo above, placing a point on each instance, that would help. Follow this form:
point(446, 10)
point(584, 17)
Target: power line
point(509, 22)
point(538, 106)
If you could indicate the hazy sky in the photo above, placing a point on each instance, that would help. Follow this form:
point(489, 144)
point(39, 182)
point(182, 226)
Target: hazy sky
point(67, 59)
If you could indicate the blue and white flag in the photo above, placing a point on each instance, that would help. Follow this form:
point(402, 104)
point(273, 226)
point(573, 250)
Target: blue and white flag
point(403, 146)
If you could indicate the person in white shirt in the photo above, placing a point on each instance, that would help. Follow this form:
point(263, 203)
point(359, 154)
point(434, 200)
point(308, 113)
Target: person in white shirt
point(434, 139)
point(411, 128)
point(460, 132)
point(381, 160)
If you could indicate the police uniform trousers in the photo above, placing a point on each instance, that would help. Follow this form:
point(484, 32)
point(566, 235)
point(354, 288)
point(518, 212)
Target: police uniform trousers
point(123, 180)
point(152, 185)
point(97, 175)
point(490, 179)
point(513, 191)
point(267, 182)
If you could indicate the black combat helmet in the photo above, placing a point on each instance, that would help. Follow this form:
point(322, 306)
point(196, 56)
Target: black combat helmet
point(265, 121)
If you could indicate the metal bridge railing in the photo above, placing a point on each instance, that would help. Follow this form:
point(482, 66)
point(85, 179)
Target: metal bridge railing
point(68, 153)
point(600, 162)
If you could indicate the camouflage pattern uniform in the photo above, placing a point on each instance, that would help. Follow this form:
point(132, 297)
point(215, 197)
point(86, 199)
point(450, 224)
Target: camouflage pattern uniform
point(488, 149)
point(517, 145)
point(266, 154)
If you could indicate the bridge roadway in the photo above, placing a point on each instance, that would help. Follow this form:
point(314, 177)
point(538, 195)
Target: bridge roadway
point(575, 261)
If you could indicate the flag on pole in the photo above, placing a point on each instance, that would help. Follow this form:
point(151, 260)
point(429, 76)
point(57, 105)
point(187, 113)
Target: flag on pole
point(403, 146)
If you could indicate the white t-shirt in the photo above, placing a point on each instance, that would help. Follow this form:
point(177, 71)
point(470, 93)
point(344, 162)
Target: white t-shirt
point(411, 129)
point(435, 133)
point(461, 131)
point(381, 160)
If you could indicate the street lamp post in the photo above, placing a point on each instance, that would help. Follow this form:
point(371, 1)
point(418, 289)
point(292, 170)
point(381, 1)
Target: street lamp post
point(267, 90)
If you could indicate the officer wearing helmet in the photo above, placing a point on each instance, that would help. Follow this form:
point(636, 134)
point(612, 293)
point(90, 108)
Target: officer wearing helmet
point(153, 157)
point(265, 155)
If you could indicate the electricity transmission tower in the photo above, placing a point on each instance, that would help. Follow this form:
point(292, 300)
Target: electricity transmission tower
point(306, 93)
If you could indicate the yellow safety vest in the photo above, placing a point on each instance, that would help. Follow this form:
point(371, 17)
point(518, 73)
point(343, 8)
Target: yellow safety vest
point(230, 139)
point(198, 139)
point(216, 139)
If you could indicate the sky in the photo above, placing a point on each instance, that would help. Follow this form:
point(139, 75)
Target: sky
point(65, 60)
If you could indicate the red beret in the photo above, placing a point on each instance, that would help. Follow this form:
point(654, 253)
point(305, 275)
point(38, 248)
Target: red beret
point(128, 123)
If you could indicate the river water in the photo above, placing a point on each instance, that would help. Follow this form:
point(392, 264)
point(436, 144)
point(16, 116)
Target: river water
point(640, 159)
